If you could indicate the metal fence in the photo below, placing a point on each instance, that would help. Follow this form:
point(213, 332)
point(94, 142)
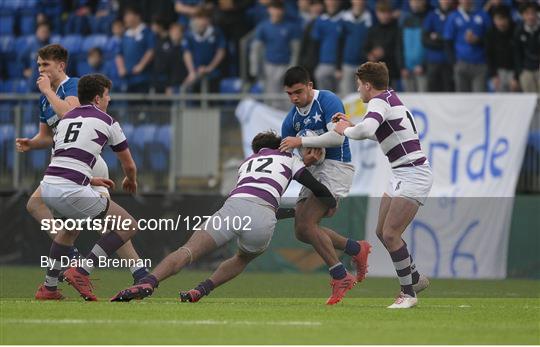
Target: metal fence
point(180, 143)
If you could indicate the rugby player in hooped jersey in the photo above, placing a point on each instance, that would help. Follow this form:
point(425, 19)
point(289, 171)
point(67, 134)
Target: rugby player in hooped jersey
point(66, 188)
point(59, 95)
point(391, 124)
point(262, 179)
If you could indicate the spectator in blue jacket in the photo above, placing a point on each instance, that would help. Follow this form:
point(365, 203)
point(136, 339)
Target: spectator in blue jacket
point(136, 52)
point(438, 67)
point(204, 50)
point(356, 23)
point(411, 50)
point(465, 31)
point(327, 32)
point(281, 43)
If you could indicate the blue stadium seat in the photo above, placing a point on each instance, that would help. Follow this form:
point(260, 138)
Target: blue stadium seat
point(7, 20)
point(144, 134)
point(6, 111)
point(230, 85)
point(257, 88)
point(30, 112)
point(94, 41)
point(30, 130)
point(16, 85)
point(39, 158)
point(7, 133)
point(72, 43)
point(163, 136)
point(110, 158)
point(128, 129)
point(27, 13)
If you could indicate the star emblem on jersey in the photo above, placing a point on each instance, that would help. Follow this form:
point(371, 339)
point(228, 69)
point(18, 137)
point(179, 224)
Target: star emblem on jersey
point(317, 117)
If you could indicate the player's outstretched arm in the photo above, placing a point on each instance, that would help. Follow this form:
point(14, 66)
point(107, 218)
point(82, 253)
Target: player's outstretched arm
point(326, 140)
point(317, 188)
point(363, 130)
point(43, 139)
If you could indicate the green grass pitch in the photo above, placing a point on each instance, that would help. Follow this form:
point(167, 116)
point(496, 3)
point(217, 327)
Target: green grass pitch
point(264, 308)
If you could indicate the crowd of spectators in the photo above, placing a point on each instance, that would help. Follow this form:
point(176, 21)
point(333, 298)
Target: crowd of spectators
point(166, 46)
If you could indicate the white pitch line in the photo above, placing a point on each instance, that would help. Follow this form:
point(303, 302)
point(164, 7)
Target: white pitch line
point(143, 322)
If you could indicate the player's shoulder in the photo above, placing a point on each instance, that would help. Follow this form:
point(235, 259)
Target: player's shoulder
point(327, 96)
point(274, 152)
point(389, 98)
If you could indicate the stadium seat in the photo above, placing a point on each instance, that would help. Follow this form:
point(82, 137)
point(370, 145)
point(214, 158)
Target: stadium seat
point(6, 111)
point(230, 85)
point(7, 133)
point(256, 88)
point(144, 134)
point(163, 136)
point(16, 85)
point(39, 158)
point(128, 129)
point(29, 130)
point(72, 43)
point(110, 158)
point(7, 21)
point(94, 41)
point(27, 13)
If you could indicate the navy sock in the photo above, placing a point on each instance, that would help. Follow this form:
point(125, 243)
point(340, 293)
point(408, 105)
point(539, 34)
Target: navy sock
point(73, 252)
point(150, 279)
point(139, 274)
point(338, 271)
point(205, 287)
point(352, 247)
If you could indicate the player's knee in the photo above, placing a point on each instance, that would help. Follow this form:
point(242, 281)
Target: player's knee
point(33, 205)
point(389, 237)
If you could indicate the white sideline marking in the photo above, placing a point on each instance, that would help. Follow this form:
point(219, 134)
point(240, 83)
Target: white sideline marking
point(145, 322)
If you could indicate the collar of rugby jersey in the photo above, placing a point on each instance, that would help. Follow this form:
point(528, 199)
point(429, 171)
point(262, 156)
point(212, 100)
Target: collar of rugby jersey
point(304, 111)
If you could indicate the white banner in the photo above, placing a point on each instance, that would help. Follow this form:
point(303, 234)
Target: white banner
point(475, 144)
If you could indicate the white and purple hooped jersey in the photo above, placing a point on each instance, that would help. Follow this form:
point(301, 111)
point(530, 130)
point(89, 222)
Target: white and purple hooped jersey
point(397, 132)
point(267, 174)
point(80, 137)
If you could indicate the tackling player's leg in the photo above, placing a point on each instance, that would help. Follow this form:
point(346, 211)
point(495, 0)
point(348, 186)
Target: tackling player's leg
point(226, 271)
point(198, 245)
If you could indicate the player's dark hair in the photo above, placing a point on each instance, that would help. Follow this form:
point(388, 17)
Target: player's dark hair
point(501, 11)
point(374, 73)
point(267, 139)
point(296, 74)
point(92, 85)
point(133, 10)
point(53, 52)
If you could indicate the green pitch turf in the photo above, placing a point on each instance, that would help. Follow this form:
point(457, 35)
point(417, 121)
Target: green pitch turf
point(262, 308)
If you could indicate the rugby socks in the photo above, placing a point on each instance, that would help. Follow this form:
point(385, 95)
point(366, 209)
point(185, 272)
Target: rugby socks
point(402, 263)
point(338, 271)
point(73, 253)
point(151, 280)
point(414, 273)
point(352, 247)
point(138, 272)
point(205, 287)
point(56, 252)
point(105, 247)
